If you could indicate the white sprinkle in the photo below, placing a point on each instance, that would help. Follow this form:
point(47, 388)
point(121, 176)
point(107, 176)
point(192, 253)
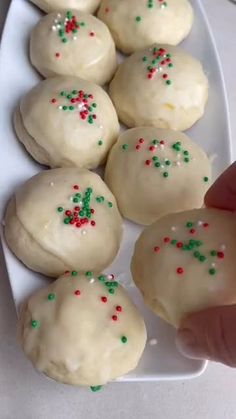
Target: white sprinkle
point(162, 166)
point(178, 155)
point(59, 15)
point(173, 228)
point(84, 232)
point(74, 38)
point(160, 68)
point(58, 26)
point(178, 163)
point(66, 19)
point(213, 265)
point(101, 126)
point(152, 342)
point(55, 21)
point(54, 28)
point(60, 107)
point(109, 276)
point(80, 203)
point(222, 247)
point(199, 223)
point(92, 280)
point(51, 183)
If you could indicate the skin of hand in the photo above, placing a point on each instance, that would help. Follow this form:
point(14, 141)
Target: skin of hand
point(211, 333)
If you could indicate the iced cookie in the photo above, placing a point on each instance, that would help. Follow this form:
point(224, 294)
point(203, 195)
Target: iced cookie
point(185, 262)
point(64, 219)
point(136, 24)
point(162, 86)
point(153, 172)
point(73, 44)
point(88, 6)
point(67, 121)
point(82, 330)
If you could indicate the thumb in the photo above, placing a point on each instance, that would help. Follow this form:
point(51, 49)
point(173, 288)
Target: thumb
point(209, 334)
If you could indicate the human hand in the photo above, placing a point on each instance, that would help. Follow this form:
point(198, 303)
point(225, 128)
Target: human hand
point(211, 334)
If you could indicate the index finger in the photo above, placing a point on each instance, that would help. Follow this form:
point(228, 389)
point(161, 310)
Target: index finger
point(222, 194)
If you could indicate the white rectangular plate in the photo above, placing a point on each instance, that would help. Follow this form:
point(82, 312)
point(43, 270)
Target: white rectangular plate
point(160, 361)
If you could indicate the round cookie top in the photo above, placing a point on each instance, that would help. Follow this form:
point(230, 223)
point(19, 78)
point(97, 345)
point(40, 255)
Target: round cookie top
point(75, 44)
point(72, 215)
point(82, 330)
point(88, 6)
point(67, 121)
point(137, 24)
point(185, 262)
point(147, 170)
point(162, 86)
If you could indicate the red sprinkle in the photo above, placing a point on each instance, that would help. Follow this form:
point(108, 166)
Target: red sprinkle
point(93, 223)
point(179, 244)
point(138, 147)
point(192, 231)
point(162, 142)
point(118, 308)
point(104, 299)
point(54, 100)
point(67, 272)
point(76, 187)
point(92, 211)
point(166, 239)
point(77, 292)
point(148, 162)
point(141, 140)
point(57, 55)
point(205, 225)
point(157, 249)
point(180, 271)
point(114, 317)
point(107, 9)
point(220, 255)
point(91, 34)
point(152, 148)
point(165, 76)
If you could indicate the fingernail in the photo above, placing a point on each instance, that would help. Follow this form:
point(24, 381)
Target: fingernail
point(186, 343)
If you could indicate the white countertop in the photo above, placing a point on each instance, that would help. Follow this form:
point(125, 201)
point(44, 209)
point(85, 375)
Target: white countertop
point(24, 394)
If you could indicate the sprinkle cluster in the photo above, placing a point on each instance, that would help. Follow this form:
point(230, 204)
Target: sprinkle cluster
point(68, 27)
point(195, 247)
point(156, 147)
point(81, 214)
point(77, 100)
point(159, 61)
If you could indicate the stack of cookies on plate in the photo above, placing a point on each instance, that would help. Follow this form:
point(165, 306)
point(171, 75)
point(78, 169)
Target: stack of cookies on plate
point(66, 222)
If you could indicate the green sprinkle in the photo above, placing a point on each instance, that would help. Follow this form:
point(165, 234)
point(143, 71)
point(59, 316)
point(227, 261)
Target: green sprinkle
point(213, 253)
point(62, 93)
point(51, 297)
point(111, 291)
point(155, 158)
point(145, 58)
point(165, 174)
point(110, 204)
point(95, 388)
point(174, 241)
point(170, 65)
point(168, 162)
point(82, 23)
point(196, 254)
point(74, 273)
point(189, 224)
point(67, 220)
point(64, 108)
point(157, 164)
point(89, 190)
point(199, 243)
point(138, 18)
point(100, 142)
point(69, 97)
point(74, 92)
point(89, 274)
point(186, 153)
point(64, 40)
point(205, 179)
point(123, 339)
point(94, 105)
point(155, 142)
point(212, 271)
point(125, 147)
point(71, 108)
point(35, 324)
point(202, 258)
point(81, 213)
point(78, 195)
point(168, 82)
point(75, 200)
point(60, 209)
point(186, 159)
point(102, 278)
